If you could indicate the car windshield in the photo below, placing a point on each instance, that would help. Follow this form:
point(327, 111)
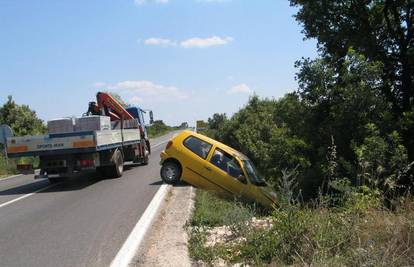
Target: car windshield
point(252, 173)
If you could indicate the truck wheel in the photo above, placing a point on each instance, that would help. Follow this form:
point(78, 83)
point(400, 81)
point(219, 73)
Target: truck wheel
point(170, 173)
point(118, 168)
point(145, 161)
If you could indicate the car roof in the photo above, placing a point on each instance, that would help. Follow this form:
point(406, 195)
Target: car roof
point(220, 145)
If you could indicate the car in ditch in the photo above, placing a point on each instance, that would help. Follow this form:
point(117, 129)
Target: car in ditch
point(211, 165)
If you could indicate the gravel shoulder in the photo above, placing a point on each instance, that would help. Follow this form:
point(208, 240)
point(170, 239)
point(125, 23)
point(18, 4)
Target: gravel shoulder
point(166, 241)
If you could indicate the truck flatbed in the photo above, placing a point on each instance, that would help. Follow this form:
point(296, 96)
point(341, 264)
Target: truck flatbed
point(71, 143)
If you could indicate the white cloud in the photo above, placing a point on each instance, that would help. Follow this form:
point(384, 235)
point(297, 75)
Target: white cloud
point(197, 42)
point(240, 89)
point(141, 2)
point(141, 91)
point(194, 42)
point(160, 42)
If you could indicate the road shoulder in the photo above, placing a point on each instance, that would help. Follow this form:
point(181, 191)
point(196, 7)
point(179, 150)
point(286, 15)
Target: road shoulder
point(166, 240)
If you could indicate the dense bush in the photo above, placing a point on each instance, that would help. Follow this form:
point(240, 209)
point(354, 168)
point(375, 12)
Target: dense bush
point(21, 119)
point(300, 130)
point(158, 128)
point(358, 232)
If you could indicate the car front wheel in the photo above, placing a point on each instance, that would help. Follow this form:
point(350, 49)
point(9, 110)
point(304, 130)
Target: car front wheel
point(170, 173)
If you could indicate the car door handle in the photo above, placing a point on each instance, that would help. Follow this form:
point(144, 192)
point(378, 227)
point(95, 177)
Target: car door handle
point(208, 168)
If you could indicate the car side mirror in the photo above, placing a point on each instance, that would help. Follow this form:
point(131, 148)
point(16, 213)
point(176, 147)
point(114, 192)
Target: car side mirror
point(151, 117)
point(242, 179)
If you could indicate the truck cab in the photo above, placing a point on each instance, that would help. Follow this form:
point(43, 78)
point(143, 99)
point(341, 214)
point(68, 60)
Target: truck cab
point(138, 114)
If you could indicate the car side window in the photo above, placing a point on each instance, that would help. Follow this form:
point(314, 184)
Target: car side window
point(197, 146)
point(226, 162)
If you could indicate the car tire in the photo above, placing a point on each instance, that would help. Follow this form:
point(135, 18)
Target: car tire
point(170, 172)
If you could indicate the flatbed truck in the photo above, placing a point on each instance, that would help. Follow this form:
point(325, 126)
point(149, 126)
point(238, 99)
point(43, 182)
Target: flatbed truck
point(68, 154)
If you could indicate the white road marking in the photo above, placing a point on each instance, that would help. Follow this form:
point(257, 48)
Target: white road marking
point(10, 177)
point(44, 188)
point(160, 144)
point(27, 195)
point(131, 245)
point(15, 176)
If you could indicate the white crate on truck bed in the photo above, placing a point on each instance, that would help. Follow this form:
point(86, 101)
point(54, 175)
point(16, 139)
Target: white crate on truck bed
point(93, 123)
point(58, 126)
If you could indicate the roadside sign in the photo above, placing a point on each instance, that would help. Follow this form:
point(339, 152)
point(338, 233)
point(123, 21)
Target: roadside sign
point(5, 132)
point(201, 125)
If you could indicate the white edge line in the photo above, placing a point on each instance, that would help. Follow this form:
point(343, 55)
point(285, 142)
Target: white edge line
point(15, 176)
point(10, 177)
point(27, 195)
point(160, 144)
point(131, 245)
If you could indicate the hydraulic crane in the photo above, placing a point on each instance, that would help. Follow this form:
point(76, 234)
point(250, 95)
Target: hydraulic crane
point(107, 105)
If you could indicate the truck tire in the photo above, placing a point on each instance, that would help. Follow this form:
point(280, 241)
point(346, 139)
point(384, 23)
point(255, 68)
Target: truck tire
point(117, 169)
point(170, 172)
point(145, 160)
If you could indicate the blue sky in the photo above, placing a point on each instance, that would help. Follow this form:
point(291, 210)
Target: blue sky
point(184, 59)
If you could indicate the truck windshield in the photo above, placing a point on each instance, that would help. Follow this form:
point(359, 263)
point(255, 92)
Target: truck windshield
point(252, 173)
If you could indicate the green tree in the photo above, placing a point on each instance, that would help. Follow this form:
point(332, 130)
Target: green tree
point(158, 128)
point(381, 30)
point(217, 120)
point(21, 119)
point(259, 131)
point(382, 161)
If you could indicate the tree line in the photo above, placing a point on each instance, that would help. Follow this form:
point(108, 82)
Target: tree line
point(352, 116)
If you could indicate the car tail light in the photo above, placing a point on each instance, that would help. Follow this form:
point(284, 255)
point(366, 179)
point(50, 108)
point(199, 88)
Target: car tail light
point(86, 162)
point(170, 143)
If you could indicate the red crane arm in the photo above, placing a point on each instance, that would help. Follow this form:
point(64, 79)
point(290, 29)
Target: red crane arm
point(112, 107)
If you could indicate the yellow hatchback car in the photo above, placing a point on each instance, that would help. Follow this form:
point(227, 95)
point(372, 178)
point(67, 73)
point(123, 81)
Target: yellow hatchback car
point(211, 165)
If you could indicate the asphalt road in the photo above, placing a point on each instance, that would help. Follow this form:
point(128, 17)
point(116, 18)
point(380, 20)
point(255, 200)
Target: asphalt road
point(80, 222)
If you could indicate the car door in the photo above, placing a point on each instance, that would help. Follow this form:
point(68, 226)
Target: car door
point(257, 191)
point(194, 159)
point(223, 170)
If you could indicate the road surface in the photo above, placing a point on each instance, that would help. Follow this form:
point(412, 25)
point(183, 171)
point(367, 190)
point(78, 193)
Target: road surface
point(80, 222)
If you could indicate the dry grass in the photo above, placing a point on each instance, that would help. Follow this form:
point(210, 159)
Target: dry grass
point(354, 235)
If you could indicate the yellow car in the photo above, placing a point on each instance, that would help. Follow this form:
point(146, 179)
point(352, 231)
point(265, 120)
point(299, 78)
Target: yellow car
point(211, 165)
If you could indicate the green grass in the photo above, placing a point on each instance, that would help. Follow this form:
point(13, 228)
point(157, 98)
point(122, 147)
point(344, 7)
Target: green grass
point(211, 210)
point(158, 133)
point(360, 232)
point(6, 169)
point(9, 168)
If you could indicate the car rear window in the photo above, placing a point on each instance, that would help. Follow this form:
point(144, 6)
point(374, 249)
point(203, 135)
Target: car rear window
point(197, 146)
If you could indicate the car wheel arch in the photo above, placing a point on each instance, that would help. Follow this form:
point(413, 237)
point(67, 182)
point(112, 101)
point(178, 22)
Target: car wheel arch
point(176, 161)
